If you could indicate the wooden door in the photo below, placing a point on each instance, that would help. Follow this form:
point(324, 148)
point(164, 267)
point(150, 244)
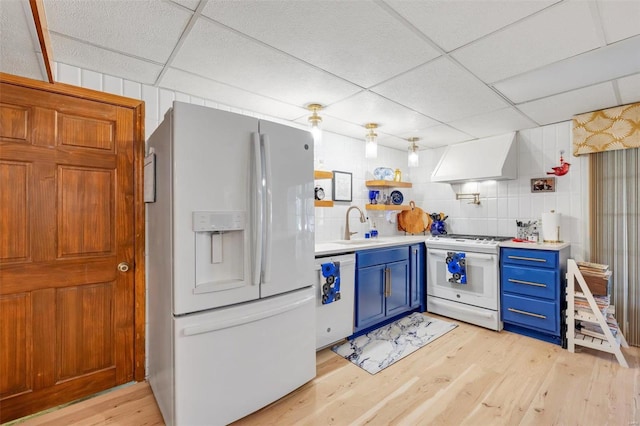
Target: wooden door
point(67, 221)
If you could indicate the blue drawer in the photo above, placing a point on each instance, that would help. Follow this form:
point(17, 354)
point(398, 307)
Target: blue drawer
point(530, 281)
point(526, 257)
point(539, 314)
point(366, 258)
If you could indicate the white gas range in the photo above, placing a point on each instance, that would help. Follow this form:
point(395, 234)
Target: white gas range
point(463, 279)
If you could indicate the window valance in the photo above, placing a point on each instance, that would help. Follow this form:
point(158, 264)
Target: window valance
point(607, 129)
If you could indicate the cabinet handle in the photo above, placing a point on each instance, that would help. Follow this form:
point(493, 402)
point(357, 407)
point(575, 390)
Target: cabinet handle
point(390, 286)
point(387, 280)
point(518, 311)
point(511, 280)
point(532, 259)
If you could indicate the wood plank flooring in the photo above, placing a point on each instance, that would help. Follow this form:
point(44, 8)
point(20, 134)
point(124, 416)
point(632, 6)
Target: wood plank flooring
point(470, 376)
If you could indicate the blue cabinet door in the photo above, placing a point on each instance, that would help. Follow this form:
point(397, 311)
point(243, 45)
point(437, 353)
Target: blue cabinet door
point(397, 299)
point(370, 300)
point(416, 275)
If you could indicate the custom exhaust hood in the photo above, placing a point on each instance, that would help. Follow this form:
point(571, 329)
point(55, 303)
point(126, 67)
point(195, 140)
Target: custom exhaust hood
point(493, 158)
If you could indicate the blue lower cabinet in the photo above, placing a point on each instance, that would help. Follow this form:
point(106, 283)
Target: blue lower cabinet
point(542, 315)
point(397, 297)
point(532, 292)
point(386, 287)
point(370, 300)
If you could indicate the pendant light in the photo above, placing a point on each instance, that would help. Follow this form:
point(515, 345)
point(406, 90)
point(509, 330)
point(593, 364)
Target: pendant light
point(371, 146)
point(413, 158)
point(315, 120)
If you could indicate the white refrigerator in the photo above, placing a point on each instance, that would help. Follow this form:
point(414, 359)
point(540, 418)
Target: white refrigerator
point(230, 264)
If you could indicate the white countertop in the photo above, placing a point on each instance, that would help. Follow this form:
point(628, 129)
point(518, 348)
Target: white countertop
point(535, 246)
point(356, 244)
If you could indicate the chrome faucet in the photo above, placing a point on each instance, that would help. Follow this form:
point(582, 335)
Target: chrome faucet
point(347, 233)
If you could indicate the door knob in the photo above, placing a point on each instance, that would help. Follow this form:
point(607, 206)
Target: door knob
point(123, 266)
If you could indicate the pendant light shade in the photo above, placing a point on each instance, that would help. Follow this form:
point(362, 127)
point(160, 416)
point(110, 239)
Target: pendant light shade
point(413, 159)
point(371, 145)
point(314, 121)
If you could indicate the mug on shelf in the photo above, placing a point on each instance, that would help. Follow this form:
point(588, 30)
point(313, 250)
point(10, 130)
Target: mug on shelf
point(374, 196)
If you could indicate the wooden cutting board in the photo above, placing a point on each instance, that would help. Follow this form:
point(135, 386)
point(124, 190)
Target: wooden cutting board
point(413, 221)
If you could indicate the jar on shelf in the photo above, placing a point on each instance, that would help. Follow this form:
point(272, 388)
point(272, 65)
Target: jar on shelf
point(397, 175)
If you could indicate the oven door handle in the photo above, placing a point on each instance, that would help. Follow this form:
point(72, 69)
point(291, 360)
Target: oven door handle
point(460, 307)
point(469, 254)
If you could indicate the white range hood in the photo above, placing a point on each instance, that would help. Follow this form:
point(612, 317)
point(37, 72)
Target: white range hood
point(493, 158)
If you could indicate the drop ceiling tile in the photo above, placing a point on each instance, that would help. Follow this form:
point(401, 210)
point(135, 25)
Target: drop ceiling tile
point(366, 107)
point(620, 19)
point(18, 54)
point(564, 106)
point(189, 4)
point(556, 33)
point(437, 136)
point(181, 81)
point(391, 141)
point(629, 88)
point(356, 40)
point(147, 29)
point(220, 54)
point(89, 57)
point(493, 123)
point(452, 24)
point(606, 63)
point(336, 125)
point(441, 90)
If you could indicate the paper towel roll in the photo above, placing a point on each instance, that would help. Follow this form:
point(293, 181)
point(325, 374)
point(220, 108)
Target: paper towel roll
point(551, 227)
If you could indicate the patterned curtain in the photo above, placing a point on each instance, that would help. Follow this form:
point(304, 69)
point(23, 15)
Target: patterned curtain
point(609, 129)
point(615, 224)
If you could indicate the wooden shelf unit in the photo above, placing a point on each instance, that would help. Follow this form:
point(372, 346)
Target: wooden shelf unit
point(387, 207)
point(388, 184)
point(322, 174)
point(610, 343)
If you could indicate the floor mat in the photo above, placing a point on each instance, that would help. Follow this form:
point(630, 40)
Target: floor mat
point(383, 346)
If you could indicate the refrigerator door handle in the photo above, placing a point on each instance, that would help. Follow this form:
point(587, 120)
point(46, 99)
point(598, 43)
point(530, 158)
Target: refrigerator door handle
point(268, 209)
point(258, 210)
point(234, 322)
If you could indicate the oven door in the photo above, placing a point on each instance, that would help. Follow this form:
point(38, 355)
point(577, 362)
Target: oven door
point(482, 284)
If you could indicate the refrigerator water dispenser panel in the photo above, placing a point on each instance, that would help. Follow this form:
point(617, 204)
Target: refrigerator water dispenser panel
point(219, 221)
point(220, 250)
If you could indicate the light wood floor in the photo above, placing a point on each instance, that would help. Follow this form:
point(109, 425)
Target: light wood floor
point(469, 376)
